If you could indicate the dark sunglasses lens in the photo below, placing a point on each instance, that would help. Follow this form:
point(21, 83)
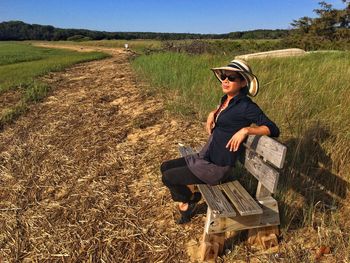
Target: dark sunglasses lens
point(223, 76)
point(232, 78)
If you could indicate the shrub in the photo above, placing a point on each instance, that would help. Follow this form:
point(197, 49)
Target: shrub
point(78, 38)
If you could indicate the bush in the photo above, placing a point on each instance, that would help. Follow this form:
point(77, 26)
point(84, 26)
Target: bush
point(78, 38)
point(221, 47)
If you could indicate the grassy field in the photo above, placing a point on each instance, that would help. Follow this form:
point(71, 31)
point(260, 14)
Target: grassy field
point(20, 66)
point(308, 98)
point(136, 45)
point(222, 47)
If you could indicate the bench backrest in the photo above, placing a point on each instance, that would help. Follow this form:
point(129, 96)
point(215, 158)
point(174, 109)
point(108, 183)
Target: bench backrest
point(262, 155)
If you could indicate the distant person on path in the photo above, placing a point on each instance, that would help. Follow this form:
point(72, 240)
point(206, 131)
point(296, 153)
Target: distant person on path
point(228, 126)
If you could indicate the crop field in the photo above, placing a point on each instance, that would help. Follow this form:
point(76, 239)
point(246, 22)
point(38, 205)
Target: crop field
point(81, 146)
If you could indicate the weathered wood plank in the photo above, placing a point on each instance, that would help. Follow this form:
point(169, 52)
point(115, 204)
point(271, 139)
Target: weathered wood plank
point(261, 170)
point(208, 219)
point(261, 191)
point(270, 217)
point(183, 152)
point(212, 245)
point(242, 200)
point(213, 196)
point(265, 237)
point(270, 149)
point(216, 201)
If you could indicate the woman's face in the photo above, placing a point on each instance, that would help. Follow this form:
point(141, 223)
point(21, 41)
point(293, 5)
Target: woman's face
point(232, 83)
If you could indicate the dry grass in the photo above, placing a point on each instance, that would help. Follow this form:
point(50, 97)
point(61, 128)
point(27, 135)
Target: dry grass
point(20, 66)
point(80, 173)
point(80, 182)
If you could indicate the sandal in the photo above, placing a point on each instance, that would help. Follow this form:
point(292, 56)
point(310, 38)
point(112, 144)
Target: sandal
point(196, 197)
point(187, 215)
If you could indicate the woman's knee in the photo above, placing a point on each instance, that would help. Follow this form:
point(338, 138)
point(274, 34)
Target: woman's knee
point(165, 179)
point(172, 171)
point(173, 163)
point(164, 166)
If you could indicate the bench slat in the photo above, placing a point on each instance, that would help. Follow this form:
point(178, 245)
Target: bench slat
point(216, 201)
point(213, 196)
point(267, 175)
point(270, 149)
point(242, 200)
point(269, 217)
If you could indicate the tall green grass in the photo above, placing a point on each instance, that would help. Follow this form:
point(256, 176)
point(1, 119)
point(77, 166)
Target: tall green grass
point(21, 63)
point(297, 93)
point(308, 97)
point(293, 91)
point(13, 53)
point(20, 66)
point(186, 78)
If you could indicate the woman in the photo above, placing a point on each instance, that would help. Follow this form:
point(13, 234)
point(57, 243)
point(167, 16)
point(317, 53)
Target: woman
point(228, 126)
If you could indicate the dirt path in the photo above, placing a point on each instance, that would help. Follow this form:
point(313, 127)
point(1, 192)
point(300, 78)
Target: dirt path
point(80, 176)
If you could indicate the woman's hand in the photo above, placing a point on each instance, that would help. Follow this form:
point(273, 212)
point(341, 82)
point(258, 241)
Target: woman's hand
point(210, 122)
point(237, 139)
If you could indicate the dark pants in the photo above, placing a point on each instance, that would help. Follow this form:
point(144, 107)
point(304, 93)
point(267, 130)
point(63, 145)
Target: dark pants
point(176, 176)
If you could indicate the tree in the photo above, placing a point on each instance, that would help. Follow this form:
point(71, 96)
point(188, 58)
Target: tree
point(330, 28)
point(302, 24)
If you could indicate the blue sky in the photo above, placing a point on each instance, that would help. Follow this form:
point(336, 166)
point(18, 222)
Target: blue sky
point(183, 16)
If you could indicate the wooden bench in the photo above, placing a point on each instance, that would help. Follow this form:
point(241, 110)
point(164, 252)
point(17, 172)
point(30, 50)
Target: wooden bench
point(232, 208)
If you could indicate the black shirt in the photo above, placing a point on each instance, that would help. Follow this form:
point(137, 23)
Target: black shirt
point(241, 112)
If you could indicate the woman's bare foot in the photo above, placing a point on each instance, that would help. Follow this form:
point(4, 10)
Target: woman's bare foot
point(187, 209)
point(183, 206)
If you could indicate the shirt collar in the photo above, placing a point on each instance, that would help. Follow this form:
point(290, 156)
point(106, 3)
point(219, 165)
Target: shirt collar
point(235, 99)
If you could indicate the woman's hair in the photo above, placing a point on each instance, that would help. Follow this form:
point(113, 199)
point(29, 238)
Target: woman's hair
point(244, 90)
point(241, 76)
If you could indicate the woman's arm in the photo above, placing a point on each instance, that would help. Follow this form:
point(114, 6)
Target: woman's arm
point(236, 140)
point(264, 127)
point(255, 115)
point(210, 122)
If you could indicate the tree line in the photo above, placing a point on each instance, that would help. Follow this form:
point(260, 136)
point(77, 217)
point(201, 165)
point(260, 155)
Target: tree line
point(18, 30)
point(330, 29)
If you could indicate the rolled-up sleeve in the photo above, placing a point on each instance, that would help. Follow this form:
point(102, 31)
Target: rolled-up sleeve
point(255, 115)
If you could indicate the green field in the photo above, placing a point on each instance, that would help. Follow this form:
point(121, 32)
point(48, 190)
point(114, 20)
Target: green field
point(20, 66)
point(135, 45)
point(308, 97)
point(222, 47)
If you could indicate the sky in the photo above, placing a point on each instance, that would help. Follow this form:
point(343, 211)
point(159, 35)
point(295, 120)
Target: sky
point(173, 16)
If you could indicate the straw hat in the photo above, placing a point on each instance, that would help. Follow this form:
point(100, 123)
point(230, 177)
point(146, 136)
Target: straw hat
point(242, 68)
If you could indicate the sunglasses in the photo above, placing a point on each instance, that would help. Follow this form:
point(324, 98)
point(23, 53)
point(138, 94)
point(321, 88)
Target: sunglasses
point(230, 78)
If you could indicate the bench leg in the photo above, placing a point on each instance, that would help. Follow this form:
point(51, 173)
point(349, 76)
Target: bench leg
point(212, 245)
point(265, 237)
